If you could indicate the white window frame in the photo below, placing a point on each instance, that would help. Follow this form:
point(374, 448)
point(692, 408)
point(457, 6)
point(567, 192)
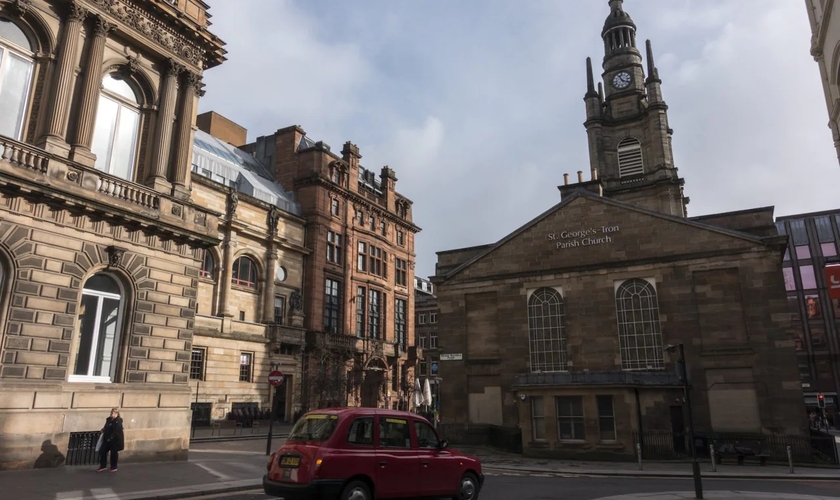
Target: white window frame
point(655, 336)
point(541, 339)
point(124, 103)
point(432, 317)
point(421, 319)
point(101, 296)
point(26, 53)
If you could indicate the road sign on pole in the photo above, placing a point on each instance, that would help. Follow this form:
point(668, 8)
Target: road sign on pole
point(276, 378)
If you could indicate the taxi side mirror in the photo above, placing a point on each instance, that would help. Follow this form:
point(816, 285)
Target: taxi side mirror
point(443, 444)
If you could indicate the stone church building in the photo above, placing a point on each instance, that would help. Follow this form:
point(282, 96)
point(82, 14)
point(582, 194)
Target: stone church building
point(562, 327)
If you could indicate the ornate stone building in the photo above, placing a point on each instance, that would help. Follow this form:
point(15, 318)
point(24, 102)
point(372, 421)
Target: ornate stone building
point(825, 47)
point(359, 297)
point(100, 238)
point(563, 326)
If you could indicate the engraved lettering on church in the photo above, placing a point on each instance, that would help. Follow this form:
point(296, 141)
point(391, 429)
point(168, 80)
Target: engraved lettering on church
point(583, 237)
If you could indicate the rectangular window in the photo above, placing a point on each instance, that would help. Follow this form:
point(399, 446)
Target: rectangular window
point(424, 369)
point(382, 228)
point(606, 418)
point(279, 310)
point(361, 293)
point(399, 321)
point(332, 306)
point(421, 319)
point(824, 232)
point(371, 223)
point(537, 418)
point(433, 340)
point(802, 252)
point(809, 281)
point(378, 261)
point(433, 317)
point(400, 238)
point(394, 432)
point(828, 249)
point(570, 421)
point(333, 247)
point(373, 313)
point(422, 340)
point(362, 261)
point(245, 366)
point(360, 217)
point(197, 363)
point(400, 267)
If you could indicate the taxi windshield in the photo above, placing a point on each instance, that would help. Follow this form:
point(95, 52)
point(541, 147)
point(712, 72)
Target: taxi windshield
point(313, 427)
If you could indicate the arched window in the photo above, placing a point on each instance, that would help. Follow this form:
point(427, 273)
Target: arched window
point(244, 273)
point(100, 330)
point(639, 332)
point(117, 127)
point(208, 264)
point(16, 65)
point(546, 331)
point(630, 157)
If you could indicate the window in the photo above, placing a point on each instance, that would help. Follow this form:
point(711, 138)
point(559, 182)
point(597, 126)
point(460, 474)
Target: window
point(394, 433)
point(197, 363)
point(378, 261)
point(371, 223)
point(333, 247)
point(360, 311)
point(241, 315)
point(400, 238)
point(360, 217)
point(812, 306)
point(790, 283)
point(361, 431)
point(421, 319)
point(546, 331)
point(639, 332)
point(279, 309)
point(361, 264)
point(99, 332)
point(336, 175)
point(630, 157)
point(426, 435)
point(802, 252)
point(334, 206)
point(245, 365)
point(16, 66)
point(809, 281)
point(399, 321)
point(117, 127)
point(606, 418)
point(375, 297)
point(537, 418)
point(400, 267)
point(433, 340)
point(828, 249)
point(332, 305)
point(422, 340)
point(433, 317)
point(382, 228)
point(570, 417)
point(424, 368)
point(208, 264)
point(244, 273)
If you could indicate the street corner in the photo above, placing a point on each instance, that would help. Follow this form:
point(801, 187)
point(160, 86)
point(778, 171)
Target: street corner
point(715, 495)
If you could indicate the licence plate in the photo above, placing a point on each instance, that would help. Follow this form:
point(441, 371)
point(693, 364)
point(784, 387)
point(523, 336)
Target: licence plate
point(289, 461)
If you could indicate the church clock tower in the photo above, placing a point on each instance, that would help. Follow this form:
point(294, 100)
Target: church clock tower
point(627, 124)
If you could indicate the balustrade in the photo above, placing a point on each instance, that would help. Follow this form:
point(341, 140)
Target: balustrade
point(23, 155)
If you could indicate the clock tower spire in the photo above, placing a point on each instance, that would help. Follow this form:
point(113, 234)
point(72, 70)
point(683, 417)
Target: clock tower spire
point(627, 124)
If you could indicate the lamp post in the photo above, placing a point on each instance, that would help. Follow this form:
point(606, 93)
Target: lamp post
point(683, 374)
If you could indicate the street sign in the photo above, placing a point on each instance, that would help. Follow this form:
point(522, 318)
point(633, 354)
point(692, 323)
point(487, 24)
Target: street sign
point(832, 278)
point(451, 357)
point(276, 378)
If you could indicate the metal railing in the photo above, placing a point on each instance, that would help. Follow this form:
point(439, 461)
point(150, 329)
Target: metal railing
point(82, 448)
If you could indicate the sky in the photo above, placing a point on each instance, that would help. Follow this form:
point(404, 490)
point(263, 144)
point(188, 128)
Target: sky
point(478, 104)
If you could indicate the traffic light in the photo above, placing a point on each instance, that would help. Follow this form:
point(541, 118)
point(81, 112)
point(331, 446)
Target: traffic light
point(820, 400)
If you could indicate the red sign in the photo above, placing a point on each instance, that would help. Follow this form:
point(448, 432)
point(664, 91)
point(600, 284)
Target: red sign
point(276, 378)
point(832, 277)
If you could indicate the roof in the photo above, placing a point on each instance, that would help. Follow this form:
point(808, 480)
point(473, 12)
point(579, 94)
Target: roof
point(233, 167)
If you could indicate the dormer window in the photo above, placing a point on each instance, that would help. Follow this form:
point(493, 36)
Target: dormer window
point(630, 158)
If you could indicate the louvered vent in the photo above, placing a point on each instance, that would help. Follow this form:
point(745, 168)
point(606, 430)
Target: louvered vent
point(630, 158)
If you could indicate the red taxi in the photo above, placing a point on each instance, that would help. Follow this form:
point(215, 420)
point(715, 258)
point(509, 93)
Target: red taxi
point(367, 453)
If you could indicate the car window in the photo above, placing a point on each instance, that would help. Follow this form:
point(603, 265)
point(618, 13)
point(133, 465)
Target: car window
point(313, 427)
point(394, 432)
point(361, 431)
point(426, 436)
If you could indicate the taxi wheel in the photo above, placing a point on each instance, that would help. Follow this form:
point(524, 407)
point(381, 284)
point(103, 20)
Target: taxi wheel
point(356, 490)
point(468, 487)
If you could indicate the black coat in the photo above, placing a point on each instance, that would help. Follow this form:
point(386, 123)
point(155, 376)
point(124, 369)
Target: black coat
point(112, 434)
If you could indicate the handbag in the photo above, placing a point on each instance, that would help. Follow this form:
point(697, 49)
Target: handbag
point(99, 443)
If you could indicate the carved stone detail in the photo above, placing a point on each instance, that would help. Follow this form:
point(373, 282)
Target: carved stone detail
point(296, 301)
point(115, 255)
point(20, 7)
point(77, 12)
point(273, 219)
point(103, 27)
point(232, 203)
point(177, 210)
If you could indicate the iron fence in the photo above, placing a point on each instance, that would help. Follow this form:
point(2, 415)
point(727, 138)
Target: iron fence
point(504, 438)
point(82, 448)
point(818, 448)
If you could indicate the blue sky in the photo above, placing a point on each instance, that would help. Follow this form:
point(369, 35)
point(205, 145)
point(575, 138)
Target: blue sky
point(478, 104)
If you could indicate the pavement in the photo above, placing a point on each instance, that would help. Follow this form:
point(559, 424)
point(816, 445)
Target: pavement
point(236, 463)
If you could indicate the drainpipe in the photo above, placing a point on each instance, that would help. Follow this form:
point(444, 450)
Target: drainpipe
point(639, 417)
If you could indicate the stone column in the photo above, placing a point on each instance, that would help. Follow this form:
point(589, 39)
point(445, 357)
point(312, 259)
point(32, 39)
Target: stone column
point(268, 308)
point(55, 140)
point(226, 274)
point(89, 98)
point(183, 136)
point(163, 130)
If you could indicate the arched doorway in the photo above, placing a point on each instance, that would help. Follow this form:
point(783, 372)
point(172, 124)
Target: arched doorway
point(100, 330)
point(373, 383)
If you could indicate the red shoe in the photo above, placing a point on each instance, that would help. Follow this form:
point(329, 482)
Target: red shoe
point(112, 469)
point(100, 469)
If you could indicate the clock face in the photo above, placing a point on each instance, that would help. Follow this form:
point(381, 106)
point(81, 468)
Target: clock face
point(622, 80)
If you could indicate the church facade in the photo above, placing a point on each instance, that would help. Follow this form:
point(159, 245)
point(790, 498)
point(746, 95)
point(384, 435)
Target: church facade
point(569, 327)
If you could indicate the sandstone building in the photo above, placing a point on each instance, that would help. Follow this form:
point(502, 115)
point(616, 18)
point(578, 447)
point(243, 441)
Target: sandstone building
point(562, 325)
point(426, 337)
point(101, 239)
point(358, 298)
point(825, 47)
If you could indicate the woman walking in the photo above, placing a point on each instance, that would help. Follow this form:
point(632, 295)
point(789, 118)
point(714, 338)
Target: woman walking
point(113, 441)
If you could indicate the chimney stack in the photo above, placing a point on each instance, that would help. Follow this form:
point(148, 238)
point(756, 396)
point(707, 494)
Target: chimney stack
point(565, 179)
point(595, 174)
point(580, 175)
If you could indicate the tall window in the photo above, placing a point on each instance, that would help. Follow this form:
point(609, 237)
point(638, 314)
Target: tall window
point(630, 157)
point(400, 238)
point(375, 301)
point(639, 332)
point(334, 206)
point(332, 305)
point(433, 338)
point(371, 223)
point(546, 331)
point(117, 127)
point(399, 321)
point(197, 363)
point(423, 340)
point(360, 217)
point(333, 247)
point(246, 361)
point(382, 229)
point(207, 265)
point(361, 310)
point(537, 418)
point(99, 331)
point(378, 261)
point(279, 309)
point(244, 273)
point(606, 418)
point(16, 64)
point(362, 261)
point(433, 317)
point(570, 421)
point(400, 267)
